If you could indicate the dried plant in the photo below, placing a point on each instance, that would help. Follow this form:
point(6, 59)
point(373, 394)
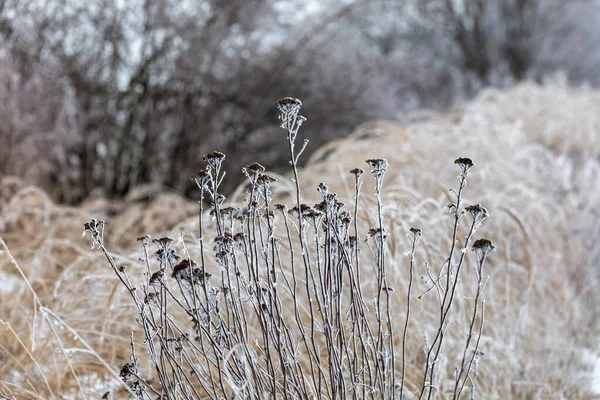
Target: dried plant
point(65, 321)
point(279, 307)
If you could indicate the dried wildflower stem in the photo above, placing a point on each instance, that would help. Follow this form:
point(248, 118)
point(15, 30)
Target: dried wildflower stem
point(428, 379)
point(439, 338)
point(416, 237)
point(475, 353)
point(385, 374)
point(312, 355)
point(358, 306)
point(291, 121)
point(243, 341)
point(452, 278)
point(483, 248)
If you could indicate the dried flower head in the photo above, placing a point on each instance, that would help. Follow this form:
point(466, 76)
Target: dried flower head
point(265, 180)
point(128, 371)
point(229, 212)
point(482, 248)
point(303, 207)
point(96, 229)
point(144, 240)
point(416, 233)
point(188, 271)
point(255, 168)
point(288, 104)
point(281, 207)
point(289, 107)
point(478, 212)
point(374, 231)
point(323, 189)
point(199, 177)
point(224, 242)
point(156, 277)
point(219, 200)
point(214, 158)
point(252, 171)
point(378, 234)
point(357, 172)
point(151, 299)
point(312, 214)
point(378, 165)
point(345, 217)
point(166, 256)
point(330, 203)
point(163, 242)
point(465, 164)
point(93, 225)
point(353, 241)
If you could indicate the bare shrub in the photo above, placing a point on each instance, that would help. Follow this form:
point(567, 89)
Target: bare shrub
point(108, 96)
point(291, 315)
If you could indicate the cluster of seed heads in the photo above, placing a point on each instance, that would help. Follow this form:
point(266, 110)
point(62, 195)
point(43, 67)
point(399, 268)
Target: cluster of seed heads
point(332, 344)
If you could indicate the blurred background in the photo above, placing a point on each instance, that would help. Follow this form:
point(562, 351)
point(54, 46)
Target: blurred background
point(100, 96)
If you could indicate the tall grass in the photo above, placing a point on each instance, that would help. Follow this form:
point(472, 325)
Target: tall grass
point(75, 334)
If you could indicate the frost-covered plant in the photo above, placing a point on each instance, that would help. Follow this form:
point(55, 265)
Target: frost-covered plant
point(281, 307)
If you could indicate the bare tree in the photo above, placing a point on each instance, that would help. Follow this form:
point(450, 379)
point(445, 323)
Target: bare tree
point(109, 95)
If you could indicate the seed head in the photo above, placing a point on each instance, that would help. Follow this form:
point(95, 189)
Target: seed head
point(256, 167)
point(156, 277)
point(287, 104)
point(289, 107)
point(188, 271)
point(252, 171)
point(96, 229)
point(478, 212)
point(128, 371)
point(357, 172)
point(482, 248)
point(323, 189)
point(164, 242)
point(229, 212)
point(416, 232)
point(200, 178)
point(265, 180)
point(465, 164)
point(378, 164)
point(144, 240)
point(379, 167)
point(281, 207)
point(214, 159)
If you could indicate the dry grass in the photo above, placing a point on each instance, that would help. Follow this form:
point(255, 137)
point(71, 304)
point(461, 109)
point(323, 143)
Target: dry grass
point(536, 151)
